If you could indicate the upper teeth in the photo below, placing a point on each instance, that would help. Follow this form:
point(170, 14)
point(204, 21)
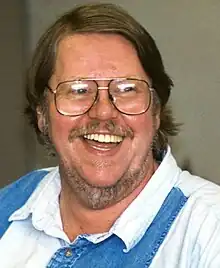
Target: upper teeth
point(104, 138)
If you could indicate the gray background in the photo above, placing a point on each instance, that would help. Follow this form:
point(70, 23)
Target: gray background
point(188, 35)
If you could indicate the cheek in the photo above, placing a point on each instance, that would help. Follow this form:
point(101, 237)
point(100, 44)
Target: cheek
point(142, 124)
point(144, 127)
point(59, 127)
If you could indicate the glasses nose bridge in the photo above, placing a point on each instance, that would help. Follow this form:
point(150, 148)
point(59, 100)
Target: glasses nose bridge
point(103, 84)
point(109, 97)
point(103, 105)
point(105, 88)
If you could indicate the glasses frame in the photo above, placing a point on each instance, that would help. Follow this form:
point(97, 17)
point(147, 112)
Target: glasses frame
point(111, 98)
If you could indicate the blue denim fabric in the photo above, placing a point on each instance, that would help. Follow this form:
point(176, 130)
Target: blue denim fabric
point(15, 195)
point(85, 254)
point(110, 254)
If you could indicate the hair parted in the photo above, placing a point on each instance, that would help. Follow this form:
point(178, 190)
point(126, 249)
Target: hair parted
point(99, 18)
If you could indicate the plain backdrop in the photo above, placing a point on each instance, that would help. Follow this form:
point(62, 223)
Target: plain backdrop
point(188, 36)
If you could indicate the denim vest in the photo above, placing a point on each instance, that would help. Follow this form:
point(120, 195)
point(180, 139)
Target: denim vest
point(85, 254)
point(15, 195)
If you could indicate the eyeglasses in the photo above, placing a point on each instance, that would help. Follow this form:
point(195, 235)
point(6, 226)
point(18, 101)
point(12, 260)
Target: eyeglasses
point(130, 96)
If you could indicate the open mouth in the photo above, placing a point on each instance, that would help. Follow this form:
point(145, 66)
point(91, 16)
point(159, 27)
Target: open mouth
point(103, 138)
point(102, 142)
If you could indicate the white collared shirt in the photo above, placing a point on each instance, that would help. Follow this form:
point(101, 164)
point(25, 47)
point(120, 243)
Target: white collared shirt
point(36, 231)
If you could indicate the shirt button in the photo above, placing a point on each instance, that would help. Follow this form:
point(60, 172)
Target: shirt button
point(68, 252)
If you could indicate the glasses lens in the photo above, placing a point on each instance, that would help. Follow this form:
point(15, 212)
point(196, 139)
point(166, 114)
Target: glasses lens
point(75, 97)
point(130, 96)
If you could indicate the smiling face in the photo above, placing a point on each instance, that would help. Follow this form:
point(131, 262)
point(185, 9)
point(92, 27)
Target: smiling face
point(104, 155)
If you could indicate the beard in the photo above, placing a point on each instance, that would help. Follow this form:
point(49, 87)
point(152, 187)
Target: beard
point(100, 197)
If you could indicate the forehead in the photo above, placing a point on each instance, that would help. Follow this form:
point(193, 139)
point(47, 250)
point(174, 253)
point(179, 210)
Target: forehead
point(96, 55)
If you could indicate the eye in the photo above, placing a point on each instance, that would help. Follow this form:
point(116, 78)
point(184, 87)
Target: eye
point(126, 87)
point(79, 88)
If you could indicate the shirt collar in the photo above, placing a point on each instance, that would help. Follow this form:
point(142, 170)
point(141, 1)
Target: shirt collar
point(43, 205)
point(46, 192)
point(136, 219)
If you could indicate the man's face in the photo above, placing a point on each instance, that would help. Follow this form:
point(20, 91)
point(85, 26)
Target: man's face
point(100, 173)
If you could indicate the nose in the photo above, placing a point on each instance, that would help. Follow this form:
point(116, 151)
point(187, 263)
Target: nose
point(103, 108)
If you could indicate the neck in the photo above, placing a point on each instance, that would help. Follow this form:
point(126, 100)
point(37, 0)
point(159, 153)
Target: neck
point(78, 219)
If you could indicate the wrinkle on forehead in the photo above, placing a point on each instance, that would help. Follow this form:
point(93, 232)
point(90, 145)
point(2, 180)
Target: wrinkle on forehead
point(96, 55)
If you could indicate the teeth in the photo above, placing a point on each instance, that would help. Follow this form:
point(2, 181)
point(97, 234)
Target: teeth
point(104, 138)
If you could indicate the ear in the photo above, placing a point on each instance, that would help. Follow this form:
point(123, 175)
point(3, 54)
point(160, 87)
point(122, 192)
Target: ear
point(157, 117)
point(157, 120)
point(40, 119)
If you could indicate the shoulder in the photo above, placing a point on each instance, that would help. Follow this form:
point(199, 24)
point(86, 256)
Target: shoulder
point(200, 191)
point(24, 184)
point(202, 209)
point(14, 195)
point(201, 215)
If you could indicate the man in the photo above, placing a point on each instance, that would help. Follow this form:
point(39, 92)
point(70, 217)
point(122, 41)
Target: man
point(97, 96)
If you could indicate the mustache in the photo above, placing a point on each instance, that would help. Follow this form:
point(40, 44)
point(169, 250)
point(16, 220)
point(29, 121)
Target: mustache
point(110, 125)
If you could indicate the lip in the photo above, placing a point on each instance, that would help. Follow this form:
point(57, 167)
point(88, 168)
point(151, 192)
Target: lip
point(103, 149)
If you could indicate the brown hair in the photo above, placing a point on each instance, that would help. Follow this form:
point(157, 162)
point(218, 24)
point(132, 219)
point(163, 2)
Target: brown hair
point(99, 18)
